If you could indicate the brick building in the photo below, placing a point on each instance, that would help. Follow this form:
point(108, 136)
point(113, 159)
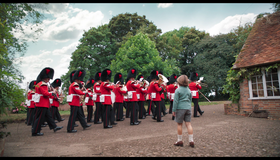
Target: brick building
point(261, 49)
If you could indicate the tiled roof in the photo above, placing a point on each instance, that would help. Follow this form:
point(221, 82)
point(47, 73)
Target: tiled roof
point(262, 45)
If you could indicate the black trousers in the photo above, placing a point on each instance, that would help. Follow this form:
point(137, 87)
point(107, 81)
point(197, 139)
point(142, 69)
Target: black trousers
point(133, 108)
point(55, 113)
point(97, 112)
point(90, 112)
point(107, 115)
point(82, 111)
point(42, 114)
point(119, 110)
point(127, 110)
point(158, 110)
point(142, 110)
point(163, 108)
point(196, 107)
point(75, 112)
point(151, 106)
point(30, 115)
point(170, 108)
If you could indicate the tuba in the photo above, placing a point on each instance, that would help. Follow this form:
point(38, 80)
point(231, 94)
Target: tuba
point(162, 79)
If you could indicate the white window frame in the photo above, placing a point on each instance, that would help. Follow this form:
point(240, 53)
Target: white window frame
point(264, 87)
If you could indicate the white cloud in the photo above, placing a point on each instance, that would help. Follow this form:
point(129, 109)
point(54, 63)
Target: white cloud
point(110, 12)
point(164, 5)
point(231, 22)
point(66, 50)
point(58, 59)
point(68, 23)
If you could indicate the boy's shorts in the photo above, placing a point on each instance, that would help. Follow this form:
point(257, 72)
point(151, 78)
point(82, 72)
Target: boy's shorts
point(183, 114)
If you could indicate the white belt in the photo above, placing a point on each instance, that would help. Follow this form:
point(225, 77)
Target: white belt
point(106, 94)
point(131, 91)
point(39, 94)
point(75, 94)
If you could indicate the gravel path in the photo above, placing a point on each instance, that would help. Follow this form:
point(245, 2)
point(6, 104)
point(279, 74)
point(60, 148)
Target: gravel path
point(215, 135)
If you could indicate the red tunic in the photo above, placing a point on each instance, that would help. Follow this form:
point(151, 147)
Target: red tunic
point(55, 101)
point(119, 94)
point(194, 89)
point(106, 92)
point(155, 89)
point(171, 90)
point(148, 97)
point(131, 88)
point(29, 97)
point(90, 101)
point(141, 92)
point(97, 91)
point(75, 90)
point(42, 90)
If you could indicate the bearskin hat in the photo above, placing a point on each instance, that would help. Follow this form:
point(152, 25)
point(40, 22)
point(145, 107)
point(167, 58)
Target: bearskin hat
point(118, 77)
point(140, 76)
point(89, 83)
point(168, 81)
point(46, 73)
point(79, 75)
point(32, 84)
point(149, 79)
point(172, 78)
point(193, 76)
point(97, 76)
point(71, 76)
point(154, 75)
point(131, 73)
point(56, 83)
point(106, 74)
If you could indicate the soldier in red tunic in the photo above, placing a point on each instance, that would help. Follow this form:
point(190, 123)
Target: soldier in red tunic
point(140, 93)
point(105, 98)
point(88, 100)
point(96, 98)
point(171, 91)
point(194, 87)
point(74, 101)
point(31, 103)
point(131, 86)
point(155, 94)
point(55, 101)
point(42, 103)
point(119, 92)
point(151, 106)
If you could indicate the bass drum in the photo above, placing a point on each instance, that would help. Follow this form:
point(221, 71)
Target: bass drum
point(113, 96)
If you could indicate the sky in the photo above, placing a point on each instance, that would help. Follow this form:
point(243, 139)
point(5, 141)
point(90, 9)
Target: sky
point(65, 23)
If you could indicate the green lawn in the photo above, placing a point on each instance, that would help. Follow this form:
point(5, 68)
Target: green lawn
point(21, 117)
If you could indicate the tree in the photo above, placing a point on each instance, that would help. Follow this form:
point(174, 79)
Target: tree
point(190, 39)
point(124, 24)
point(93, 54)
point(140, 52)
point(214, 58)
point(12, 16)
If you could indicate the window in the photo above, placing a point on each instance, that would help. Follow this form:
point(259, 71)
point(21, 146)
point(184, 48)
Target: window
point(265, 85)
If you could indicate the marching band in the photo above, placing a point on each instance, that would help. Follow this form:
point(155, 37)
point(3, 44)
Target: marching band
point(109, 98)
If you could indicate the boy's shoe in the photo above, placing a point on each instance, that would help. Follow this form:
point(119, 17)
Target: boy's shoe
point(178, 143)
point(192, 144)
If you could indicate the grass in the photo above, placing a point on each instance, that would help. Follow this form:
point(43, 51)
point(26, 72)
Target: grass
point(10, 117)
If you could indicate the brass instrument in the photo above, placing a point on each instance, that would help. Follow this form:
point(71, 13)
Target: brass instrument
point(82, 97)
point(61, 95)
point(162, 80)
point(51, 89)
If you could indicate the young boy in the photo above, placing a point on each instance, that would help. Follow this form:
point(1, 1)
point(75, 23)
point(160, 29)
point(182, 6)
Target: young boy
point(182, 109)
